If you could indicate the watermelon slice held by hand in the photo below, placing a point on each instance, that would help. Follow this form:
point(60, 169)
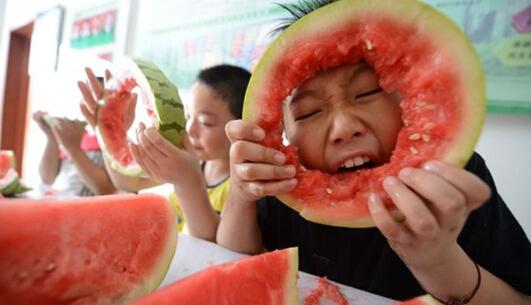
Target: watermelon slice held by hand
point(417, 53)
point(266, 279)
point(104, 250)
point(158, 105)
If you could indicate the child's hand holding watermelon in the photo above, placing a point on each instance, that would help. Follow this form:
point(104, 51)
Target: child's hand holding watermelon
point(256, 170)
point(164, 162)
point(95, 92)
point(436, 201)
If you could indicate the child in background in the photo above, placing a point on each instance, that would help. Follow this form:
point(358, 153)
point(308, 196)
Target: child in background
point(203, 164)
point(455, 242)
point(72, 161)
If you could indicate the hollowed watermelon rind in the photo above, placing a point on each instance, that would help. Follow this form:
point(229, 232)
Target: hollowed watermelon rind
point(452, 58)
point(162, 102)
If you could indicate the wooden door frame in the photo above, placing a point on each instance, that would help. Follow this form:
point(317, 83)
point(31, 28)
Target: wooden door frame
point(16, 93)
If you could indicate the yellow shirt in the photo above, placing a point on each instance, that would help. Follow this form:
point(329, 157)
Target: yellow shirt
point(217, 195)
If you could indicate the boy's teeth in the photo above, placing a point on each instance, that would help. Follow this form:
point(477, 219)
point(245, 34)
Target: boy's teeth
point(349, 163)
point(357, 161)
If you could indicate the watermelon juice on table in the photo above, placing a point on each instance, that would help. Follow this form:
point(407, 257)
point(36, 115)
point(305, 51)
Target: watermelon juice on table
point(417, 53)
point(104, 250)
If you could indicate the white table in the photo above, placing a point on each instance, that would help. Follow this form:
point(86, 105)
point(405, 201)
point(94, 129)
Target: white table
point(195, 254)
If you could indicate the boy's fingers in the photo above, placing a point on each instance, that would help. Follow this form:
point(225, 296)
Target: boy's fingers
point(159, 142)
point(257, 171)
point(108, 75)
point(140, 159)
point(88, 97)
point(243, 130)
point(151, 150)
point(385, 222)
point(271, 188)
point(95, 84)
point(418, 216)
point(448, 203)
point(475, 190)
point(243, 151)
point(89, 116)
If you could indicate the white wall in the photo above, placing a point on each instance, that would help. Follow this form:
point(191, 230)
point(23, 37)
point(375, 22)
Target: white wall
point(505, 145)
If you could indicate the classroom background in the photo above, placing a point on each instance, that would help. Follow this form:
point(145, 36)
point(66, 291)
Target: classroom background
point(47, 43)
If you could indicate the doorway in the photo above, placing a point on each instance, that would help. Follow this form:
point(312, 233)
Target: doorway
point(16, 93)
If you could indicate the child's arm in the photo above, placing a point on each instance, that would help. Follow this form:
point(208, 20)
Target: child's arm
point(436, 201)
point(256, 171)
point(49, 165)
point(69, 134)
point(164, 162)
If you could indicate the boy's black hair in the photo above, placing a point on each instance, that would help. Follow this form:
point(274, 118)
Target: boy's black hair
point(297, 11)
point(230, 82)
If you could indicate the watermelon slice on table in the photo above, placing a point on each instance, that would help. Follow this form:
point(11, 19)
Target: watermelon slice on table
point(158, 105)
point(268, 279)
point(90, 250)
point(416, 51)
point(10, 183)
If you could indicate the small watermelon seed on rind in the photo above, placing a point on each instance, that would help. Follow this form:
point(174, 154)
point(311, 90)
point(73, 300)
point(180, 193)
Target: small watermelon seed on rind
point(416, 51)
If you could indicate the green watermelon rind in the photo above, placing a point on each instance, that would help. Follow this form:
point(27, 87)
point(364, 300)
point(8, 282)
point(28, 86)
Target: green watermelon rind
point(167, 102)
point(292, 292)
point(429, 21)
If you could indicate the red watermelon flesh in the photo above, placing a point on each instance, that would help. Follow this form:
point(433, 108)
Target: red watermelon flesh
point(416, 52)
point(97, 250)
point(267, 279)
point(7, 161)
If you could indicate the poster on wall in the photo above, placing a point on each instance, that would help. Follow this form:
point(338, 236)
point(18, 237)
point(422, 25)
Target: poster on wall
point(95, 28)
point(232, 32)
point(501, 33)
point(236, 32)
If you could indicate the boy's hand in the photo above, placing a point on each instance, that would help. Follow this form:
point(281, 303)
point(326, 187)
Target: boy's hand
point(69, 133)
point(89, 106)
point(436, 201)
point(38, 117)
point(164, 162)
point(91, 95)
point(256, 170)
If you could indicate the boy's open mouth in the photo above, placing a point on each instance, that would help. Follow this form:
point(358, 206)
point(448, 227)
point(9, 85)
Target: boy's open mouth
point(355, 164)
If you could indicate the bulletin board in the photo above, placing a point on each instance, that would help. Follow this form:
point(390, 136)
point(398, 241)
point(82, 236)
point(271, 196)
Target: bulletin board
point(188, 36)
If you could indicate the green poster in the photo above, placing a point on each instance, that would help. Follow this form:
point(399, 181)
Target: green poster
point(503, 41)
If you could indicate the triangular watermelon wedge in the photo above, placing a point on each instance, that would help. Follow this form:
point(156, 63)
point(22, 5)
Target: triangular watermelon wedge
point(267, 279)
point(97, 250)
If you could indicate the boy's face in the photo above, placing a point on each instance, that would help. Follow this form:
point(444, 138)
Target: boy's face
point(206, 116)
point(340, 120)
